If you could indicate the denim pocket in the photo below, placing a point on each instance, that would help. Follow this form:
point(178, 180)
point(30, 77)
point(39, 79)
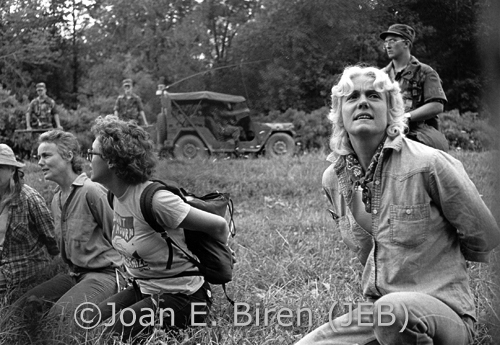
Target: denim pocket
point(409, 224)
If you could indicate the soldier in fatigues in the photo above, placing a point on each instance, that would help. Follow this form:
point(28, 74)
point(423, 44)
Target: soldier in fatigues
point(42, 111)
point(129, 105)
point(421, 88)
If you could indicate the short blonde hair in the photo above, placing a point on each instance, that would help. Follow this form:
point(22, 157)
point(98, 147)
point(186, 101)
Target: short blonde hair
point(67, 144)
point(339, 140)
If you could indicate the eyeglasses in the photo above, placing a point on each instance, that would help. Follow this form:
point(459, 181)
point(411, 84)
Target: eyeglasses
point(391, 41)
point(91, 154)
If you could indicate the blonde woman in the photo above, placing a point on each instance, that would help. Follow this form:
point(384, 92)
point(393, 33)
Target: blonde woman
point(26, 226)
point(84, 219)
point(411, 215)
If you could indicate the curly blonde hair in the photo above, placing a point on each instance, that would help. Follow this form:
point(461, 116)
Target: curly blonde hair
point(339, 140)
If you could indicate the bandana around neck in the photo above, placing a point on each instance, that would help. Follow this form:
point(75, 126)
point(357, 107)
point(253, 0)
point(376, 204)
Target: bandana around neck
point(359, 178)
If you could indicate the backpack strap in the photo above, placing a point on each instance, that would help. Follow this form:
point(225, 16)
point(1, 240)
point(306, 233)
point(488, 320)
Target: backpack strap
point(146, 204)
point(110, 196)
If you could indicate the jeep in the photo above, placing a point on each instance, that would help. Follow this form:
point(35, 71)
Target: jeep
point(186, 129)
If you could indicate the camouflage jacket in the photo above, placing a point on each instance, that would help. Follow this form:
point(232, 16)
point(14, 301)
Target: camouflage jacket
point(42, 111)
point(420, 84)
point(129, 108)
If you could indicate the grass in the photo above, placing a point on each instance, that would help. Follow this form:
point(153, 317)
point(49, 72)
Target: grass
point(289, 255)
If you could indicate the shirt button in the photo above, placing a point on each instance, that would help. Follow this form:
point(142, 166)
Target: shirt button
point(377, 182)
point(375, 211)
point(408, 211)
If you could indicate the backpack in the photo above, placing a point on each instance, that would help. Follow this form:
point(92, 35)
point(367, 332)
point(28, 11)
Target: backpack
point(216, 259)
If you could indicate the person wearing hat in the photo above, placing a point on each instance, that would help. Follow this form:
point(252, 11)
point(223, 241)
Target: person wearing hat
point(129, 105)
point(26, 226)
point(84, 223)
point(420, 85)
point(42, 111)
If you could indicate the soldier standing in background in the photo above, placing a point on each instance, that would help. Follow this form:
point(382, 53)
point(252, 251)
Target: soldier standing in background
point(421, 88)
point(129, 105)
point(42, 111)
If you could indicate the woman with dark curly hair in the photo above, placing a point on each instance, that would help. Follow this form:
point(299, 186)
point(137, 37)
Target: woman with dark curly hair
point(26, 226)
point(167, 284)
point(83, 220)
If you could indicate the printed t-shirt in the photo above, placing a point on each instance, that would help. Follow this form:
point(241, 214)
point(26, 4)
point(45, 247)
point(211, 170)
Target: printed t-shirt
point(145, 252)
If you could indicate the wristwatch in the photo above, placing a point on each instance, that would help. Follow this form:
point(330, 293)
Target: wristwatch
point(407, 116)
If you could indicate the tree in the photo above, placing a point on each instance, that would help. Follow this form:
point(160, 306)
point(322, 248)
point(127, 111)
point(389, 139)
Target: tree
point(446, 38)
point(27, 49)
point(301, 46)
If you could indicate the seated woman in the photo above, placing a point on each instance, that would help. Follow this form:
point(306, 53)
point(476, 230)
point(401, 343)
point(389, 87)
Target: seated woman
point(123, 161)
point(26, 226)
point(84, 220)
point(412, 216)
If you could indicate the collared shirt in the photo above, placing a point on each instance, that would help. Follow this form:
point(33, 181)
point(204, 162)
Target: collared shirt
point(85, 222)
point(129, 108)
point(29, 227)
point(42, 111)
point(420, 84)
point(421, 238)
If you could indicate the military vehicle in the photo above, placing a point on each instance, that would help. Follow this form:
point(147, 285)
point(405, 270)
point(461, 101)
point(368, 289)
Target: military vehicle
point(185, 127)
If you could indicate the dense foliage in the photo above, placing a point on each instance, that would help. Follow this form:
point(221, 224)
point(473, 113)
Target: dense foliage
point(283, 56)
point(464, 132)
point(279, 54)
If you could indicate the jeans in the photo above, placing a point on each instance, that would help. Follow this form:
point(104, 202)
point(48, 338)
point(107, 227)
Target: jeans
point(428, 321)
point(66, 292)
point(129, 313)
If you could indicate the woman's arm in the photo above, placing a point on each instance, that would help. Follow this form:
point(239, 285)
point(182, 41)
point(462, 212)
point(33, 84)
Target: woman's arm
point(211, 224)
point(41, 217)
point(170, 211)
point(457, 196)
point(98, 204)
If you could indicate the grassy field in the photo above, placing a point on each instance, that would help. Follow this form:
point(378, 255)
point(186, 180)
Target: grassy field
point(288, 254)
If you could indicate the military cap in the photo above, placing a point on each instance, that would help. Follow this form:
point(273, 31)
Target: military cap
point(402, 30)
point(127, 82)
point(40, 86)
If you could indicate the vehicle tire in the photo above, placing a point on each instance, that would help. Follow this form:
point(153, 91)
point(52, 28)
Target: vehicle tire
point(161, 129)
point(280, 145)
point(190, 147)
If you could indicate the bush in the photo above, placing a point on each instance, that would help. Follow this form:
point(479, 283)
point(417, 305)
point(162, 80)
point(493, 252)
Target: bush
point(467, 131)
point(313, 129)
point(79, 122)
point(9, 112)
point(12, 117)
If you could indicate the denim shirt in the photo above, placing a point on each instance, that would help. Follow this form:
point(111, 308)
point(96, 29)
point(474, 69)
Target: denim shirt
point(427, 219)
point(85, 223)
